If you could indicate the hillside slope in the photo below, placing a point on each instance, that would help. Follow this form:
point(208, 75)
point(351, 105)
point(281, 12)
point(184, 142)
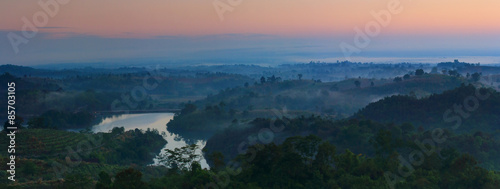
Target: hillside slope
point(466, 108)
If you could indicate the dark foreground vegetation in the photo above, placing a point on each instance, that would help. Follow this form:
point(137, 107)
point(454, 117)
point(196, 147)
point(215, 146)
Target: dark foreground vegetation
point(336, 100)
point(309, 162)
point(463, 109)
point(316, 125)
point(299, 162)
point(44, 156)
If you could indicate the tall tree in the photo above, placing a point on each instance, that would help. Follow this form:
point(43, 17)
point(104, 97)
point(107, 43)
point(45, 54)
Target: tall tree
point(128, 178)
point(419, 72)
point(476, 77)
point(262, 80)
point(180, 157)
point(357, 83)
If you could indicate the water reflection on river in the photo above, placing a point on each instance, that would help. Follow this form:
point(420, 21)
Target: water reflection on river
point(153, 121)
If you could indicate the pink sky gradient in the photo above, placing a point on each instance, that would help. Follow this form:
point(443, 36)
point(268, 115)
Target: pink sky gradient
point(148, 18)
point(255, 31)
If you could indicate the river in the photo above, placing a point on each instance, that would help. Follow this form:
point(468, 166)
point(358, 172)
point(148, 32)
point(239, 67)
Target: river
point(156, 121)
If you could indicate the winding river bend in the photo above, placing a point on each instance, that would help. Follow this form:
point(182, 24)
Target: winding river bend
point(153, 121)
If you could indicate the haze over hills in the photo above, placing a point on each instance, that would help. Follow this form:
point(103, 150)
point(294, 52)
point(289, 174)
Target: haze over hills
point(332, 99)
point(404, 117)
point(463, 109)
point(325, 71)
point(351, 108)
point(230, 94)
point(291, 83)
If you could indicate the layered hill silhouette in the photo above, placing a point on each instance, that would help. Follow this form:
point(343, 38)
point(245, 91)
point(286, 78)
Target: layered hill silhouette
point(336, 100)
point(466, 108)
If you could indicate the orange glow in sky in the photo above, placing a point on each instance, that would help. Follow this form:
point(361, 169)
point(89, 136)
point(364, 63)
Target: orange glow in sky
point(149, 18)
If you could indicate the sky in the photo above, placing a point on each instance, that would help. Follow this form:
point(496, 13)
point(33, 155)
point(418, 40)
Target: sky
point(245, 31)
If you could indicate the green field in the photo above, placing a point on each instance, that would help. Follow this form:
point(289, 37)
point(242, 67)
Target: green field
point(45, 157)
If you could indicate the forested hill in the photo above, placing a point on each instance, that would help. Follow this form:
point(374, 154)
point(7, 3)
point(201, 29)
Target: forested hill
point(463, 109)
point(333, 98)
point(301, 97)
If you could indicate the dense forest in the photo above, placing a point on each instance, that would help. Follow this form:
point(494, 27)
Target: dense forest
point(318, 164)
point(45, 156)
point(336, 100)
point(291, 126)
point(464, 109)
point(97, 92)
point(359, 136)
